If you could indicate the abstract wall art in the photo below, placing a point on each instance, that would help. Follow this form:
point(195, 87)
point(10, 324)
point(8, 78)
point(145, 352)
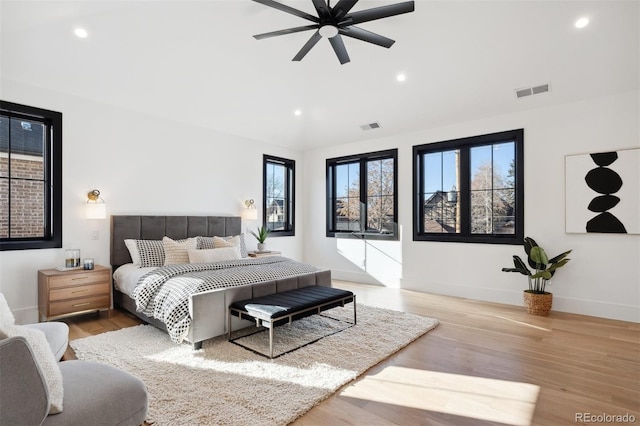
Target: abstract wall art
point(602, 192)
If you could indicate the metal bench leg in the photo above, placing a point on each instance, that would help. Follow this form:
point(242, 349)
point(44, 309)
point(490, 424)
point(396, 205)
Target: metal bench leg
point(271, 340)
point(354, 309)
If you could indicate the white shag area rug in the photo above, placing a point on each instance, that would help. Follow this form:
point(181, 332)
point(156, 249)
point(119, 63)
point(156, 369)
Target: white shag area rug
point(225, 384)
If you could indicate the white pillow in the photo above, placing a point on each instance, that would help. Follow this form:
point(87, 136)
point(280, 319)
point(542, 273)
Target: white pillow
point(226, 242)
point(45, 359)
point(177, 251)
point(214, 255)
point(133, 251)
point(6, 316)
point(210, 243)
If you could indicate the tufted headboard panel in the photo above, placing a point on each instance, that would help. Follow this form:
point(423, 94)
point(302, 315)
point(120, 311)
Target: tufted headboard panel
point(156, 227)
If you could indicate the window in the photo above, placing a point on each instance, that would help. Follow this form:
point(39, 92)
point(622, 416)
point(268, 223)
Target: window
point(470, 190)
point(30, 177)
point(278, 211)
point(362, 195)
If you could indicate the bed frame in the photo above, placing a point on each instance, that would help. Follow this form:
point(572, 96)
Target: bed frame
point(208, 310)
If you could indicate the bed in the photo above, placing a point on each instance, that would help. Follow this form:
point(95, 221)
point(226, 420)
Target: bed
point(207, 310)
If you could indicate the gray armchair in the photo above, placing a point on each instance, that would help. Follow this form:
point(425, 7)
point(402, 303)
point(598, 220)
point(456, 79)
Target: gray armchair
point(94, 393)
point(57, 335)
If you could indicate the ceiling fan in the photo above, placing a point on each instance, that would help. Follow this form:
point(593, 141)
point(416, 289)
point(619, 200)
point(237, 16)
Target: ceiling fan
point(334, 22)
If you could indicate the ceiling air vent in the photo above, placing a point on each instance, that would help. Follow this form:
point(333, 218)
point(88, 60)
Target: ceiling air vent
point(527, 91)
point(370, 126)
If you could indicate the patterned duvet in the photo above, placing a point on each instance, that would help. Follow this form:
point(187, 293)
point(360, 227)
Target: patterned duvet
point(164, 292)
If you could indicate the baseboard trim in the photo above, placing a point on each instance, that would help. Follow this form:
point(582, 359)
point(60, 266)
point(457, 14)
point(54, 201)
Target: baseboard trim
point(594, 308)
point(356, 277)
point(26, 315)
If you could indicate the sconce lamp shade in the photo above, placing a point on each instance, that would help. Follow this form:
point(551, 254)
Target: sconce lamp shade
point(96, 208)
point(96, 211)
point(250, 212)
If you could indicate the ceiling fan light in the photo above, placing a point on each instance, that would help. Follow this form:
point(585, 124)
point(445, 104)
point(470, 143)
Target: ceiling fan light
point(80, 33)
point(582, 22)
point(328, 31)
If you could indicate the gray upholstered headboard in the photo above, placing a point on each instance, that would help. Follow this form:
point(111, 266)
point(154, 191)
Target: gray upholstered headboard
point(156, 227)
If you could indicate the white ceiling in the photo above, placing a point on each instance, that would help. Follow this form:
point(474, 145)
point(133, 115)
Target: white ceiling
point(196, 62)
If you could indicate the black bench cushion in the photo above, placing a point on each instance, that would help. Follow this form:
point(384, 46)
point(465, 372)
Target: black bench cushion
point(278, 305)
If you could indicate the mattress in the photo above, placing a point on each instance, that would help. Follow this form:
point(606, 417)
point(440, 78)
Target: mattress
point(127, 276)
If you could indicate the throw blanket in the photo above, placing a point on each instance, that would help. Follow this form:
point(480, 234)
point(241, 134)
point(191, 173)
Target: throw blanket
point(164, 292)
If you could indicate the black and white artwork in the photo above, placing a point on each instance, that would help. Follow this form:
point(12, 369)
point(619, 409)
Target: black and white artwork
point(603, 192)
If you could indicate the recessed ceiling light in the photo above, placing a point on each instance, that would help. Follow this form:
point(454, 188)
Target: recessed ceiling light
point(81, 32)
point(582, 22)
point(297, 112)
point(401, 77)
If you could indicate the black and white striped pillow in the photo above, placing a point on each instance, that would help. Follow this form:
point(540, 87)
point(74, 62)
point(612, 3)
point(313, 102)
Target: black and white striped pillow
point(205, 243)
point(151, 253)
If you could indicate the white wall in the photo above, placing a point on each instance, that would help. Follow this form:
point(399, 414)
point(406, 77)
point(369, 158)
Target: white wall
point(142, 165)
point(603, 277)
point(146, 165)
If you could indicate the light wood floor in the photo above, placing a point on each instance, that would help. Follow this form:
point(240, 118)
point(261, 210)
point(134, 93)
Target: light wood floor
point(485, 364)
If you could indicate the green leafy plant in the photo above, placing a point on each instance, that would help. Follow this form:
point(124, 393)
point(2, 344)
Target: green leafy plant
point(543, 267)
point(262, 234)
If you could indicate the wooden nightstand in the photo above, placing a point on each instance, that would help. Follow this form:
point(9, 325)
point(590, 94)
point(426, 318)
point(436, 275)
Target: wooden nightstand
point(264, 253)
point(65, 293)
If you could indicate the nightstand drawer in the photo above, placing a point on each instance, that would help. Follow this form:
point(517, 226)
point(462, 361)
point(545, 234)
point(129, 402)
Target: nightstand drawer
point(84, 291)
point(79, 305)
point(77, 279)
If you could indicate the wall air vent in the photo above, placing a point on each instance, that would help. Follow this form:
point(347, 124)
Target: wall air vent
point(370, 126)
point(528, 91)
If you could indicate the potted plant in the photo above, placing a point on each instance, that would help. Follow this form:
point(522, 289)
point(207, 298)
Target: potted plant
point(537, 301)
point(261, 236)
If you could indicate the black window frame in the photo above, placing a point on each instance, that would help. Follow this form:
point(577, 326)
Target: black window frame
point(465, 145)
point(52, 158)
point(290, 188)
point(362, 159)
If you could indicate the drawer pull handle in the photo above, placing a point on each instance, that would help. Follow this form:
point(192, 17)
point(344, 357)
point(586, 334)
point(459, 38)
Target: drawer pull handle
point(79, 278)
point(80, 291)
point(81, 304)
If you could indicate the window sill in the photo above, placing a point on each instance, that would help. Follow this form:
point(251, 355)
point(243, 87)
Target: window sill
point(363, 236)
point(479, 239)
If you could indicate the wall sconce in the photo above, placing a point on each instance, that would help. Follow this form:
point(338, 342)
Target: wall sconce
point(250, 212)
point(96, 207)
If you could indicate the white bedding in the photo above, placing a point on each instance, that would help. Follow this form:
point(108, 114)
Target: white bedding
point(126, 277)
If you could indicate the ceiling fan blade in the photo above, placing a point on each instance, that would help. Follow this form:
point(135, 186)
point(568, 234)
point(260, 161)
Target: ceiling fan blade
point(288, 9)
point(284, 32)
point(368, 36)
point(323, 10)
point(338, 47)
point(378, 13)
point(341, 8)
point(315, 38)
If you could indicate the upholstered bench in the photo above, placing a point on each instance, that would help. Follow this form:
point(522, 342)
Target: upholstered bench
point(283, 308)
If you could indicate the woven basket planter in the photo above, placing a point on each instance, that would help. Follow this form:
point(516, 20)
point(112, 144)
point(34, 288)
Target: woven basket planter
point(538, 304)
